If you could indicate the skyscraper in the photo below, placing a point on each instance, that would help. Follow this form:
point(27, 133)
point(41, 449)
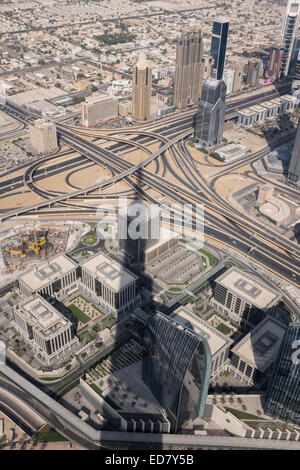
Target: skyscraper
point(294, 166)
point(255, 70)
point(141, 90)
point(209, 120)
point(288, 33)
point(294, 56)
point(176, 368)
point(238, 78)
point(283, 397)
point(189, 70)
point(219, 44)
point(274, 62)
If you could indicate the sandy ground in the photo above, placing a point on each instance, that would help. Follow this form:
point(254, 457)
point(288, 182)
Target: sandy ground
point(250, 141)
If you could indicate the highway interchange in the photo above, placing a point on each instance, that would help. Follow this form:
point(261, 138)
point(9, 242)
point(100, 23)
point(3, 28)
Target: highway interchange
point(222, 222)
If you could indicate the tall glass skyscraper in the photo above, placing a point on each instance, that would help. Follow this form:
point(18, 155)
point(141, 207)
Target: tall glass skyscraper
point(283, 400)
point(219, 45)
point(176, 368)
point(209, 120)
point(288, 33)
point(294, 166)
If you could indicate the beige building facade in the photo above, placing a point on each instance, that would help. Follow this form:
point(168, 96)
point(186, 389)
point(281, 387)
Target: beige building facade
point(141, 90)
point(43, 136)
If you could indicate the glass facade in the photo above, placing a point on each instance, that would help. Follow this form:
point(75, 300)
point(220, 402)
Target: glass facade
point(209, 121)
point(219, 45)
point(283, 400)
point(176, 368)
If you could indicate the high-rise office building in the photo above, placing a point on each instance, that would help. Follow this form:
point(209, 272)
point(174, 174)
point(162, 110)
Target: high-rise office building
point(176, 368)
point(219, 45)
point(209, 120)
point(288, 33)
point(283, 397)
point(43, 137)
point(255, 71)
point(296, 74)
point(294, 166)
point(189, 71)
point(238, 78)
point(294, 56)
point(141, 90)
point(228, 77)
point(274, 62)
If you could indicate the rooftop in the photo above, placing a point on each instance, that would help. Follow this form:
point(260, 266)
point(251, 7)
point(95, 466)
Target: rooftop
point(107, 270)
point(42, 315)
point(46, 272)
point(248, 287)
point(216, 340)
point(260, 347)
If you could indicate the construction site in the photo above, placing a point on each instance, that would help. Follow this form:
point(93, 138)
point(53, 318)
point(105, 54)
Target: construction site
point(32, 243)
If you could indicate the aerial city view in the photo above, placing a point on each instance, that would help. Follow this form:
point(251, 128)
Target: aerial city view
point(150, 227)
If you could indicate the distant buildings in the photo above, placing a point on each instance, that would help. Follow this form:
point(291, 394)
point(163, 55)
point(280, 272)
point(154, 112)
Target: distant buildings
point(238, 78)
point(243, 297)
point(288, 33)
point(176, 368)
point(283, 399)
point(99, 108)
point(255, 71)
point(50, 333)
point(228, 77)
point(141, 90)
point(43, 137)
point(209, 120)
point(219, 45)
point(189, 70)
point(294, 166)
point(274, 62)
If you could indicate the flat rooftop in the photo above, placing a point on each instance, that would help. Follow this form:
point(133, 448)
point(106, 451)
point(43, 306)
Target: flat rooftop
point(99, 99)
point(248, 287)
point(260, 347)
point(43, 315)
point(46, 272)
point(232, 149)
point(109, 271)
point(216, 340)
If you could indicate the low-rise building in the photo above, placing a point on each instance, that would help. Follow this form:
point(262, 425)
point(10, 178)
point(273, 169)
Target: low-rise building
point(252, 358)
point(49, 277)
point(231, 152)
point(99, 108)
point(267, 110)
point(243, 297)
point(112, 285)
point(42, 326)
point(43, 137)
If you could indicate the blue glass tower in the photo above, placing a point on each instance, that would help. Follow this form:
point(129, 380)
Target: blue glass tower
point(176, 368)
point(283, 399)
point(219, 45)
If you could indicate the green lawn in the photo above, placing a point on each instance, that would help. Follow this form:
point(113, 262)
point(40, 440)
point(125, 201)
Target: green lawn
point(213, 261)
point(175, 289)
point(48, 434)
point(242, 415)
point(224, 328)
point(78, 313)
